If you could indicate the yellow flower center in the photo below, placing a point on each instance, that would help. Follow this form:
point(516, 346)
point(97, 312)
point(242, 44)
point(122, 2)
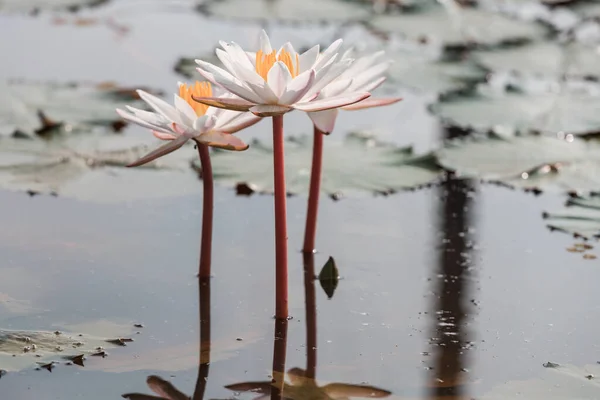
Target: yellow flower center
point(264, 62)
point(199, 89)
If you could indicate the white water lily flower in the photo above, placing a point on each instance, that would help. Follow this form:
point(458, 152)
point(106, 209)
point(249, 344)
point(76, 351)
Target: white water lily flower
point(275, 82)
point(364, 75)
point(188, 120)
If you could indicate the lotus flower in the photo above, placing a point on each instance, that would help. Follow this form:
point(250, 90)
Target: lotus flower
point(273, 82)
point(187, 120)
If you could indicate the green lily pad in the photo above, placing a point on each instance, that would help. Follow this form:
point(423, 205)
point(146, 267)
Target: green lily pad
point(358, 164)
point(44, 109)
point(458, 28)
point(573, 108)
point(286, 10)
point(580, 217)
point(564, 382)
point(529, 162)
point(92, 168)
point(544, 59)
point(28, 349)
point(36, 5)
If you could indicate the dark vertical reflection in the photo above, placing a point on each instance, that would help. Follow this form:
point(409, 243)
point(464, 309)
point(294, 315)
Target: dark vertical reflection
point(279, 355)
point(311, 315)
point(204, 361)
point(450, 309)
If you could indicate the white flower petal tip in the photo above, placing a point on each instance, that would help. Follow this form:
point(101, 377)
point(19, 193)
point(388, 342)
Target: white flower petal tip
point(324, 120)
point(372, 102)
point(227, 103)
point(222, 140)
point(332, 102)
point(269, 110)
point(161, 151)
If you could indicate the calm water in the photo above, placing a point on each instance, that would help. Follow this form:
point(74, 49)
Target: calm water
point(460, 283)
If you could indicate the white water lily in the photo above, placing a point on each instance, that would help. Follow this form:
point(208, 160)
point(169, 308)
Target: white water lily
point(274, 82)
point(188, 120)
point(364, 75)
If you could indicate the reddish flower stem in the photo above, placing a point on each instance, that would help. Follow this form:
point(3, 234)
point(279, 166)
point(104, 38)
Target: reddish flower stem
point(281, 268)
point(310, 230)
point(204, 345)
point(207, 212)
point(279, 356)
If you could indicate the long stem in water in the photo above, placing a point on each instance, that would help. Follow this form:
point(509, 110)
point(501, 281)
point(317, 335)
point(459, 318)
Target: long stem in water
point(204, 360)
point(311, 315)
point(207, 212)
point(279, 356)
point(310, 230)
point(281, 268)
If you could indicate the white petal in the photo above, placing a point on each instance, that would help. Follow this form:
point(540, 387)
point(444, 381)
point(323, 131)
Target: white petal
point(226, 80)
point(324, 120)
point(238, 55)
point(225, 59)
point(372, 102)
point(290, 49)
point(138, 121)
point(332, 102)
point(148, 116)
point(228, 103)
point(204, 123)
point(327, 75)
point(265, 43)
point(362, 64)
point(186, 112)
point(328, 54)
point(222, 140)
point(160, 106)
point(268, 110)
point(242, 121)
point(369, 86)
point(297, 88)
point(308, 59)
point(161, 151)
point(257, 84)
point(337, 87)
point(370, 75)
point(279, 77)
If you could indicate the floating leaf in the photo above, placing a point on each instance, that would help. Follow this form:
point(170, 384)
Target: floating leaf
point(563, 382)
point(287, 10)
point(550, 59)
point(22, 349)
point(581, 217)
point(458, 27)
point(526, 161)
point(329, 277)
point(64, 107)
point(573, 108)
point(359, 163)
point(36, 5)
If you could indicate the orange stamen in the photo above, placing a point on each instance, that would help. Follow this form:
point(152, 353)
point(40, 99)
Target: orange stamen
point(199, 89)
point(264, 62)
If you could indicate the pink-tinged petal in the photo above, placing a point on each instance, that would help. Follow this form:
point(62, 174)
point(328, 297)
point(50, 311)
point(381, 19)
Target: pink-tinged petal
point(204, 123)
point(237, 54)
point(265, 43)
point(337, 87)
point(330, 52)
point(372, 102)
point(369, 87)
point(222, 140)
point(344, 390)
point(267, 110)
point(223, 78)
point(163, 135)
point(161, 151)
point(257, 84)
point(332, 102)
point(324, 120)
point(371, 74)
point(308, 59)
point(180, 129)
point(243, 121)
point(187, 115)
point(225, 59)
point(298, 87)
point(326, 76)
point(227, 103)
point(278, 78)
point(138, 121)
point(165, 389)
point(148, 116)
point(160, 106)
point(362, 64)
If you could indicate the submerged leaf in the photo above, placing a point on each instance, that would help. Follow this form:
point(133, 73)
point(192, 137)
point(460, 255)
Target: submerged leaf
point(287, 10)
point(357, 164)
point(329, 277)
point(43, 109)
point(580, 217)
point(526, 161)
point(573, 108)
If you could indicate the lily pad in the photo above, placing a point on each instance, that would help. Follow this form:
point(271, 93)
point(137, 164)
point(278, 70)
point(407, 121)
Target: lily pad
point(23, 349)
point(36, 5)
point(458, 27)
point(581, 217)
point(358, 164)
point(564, 382)
point(64, 108)
point(571, 108)
point(550, 59)
point(286, 10)
point(528, 162)
point(92, 168)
